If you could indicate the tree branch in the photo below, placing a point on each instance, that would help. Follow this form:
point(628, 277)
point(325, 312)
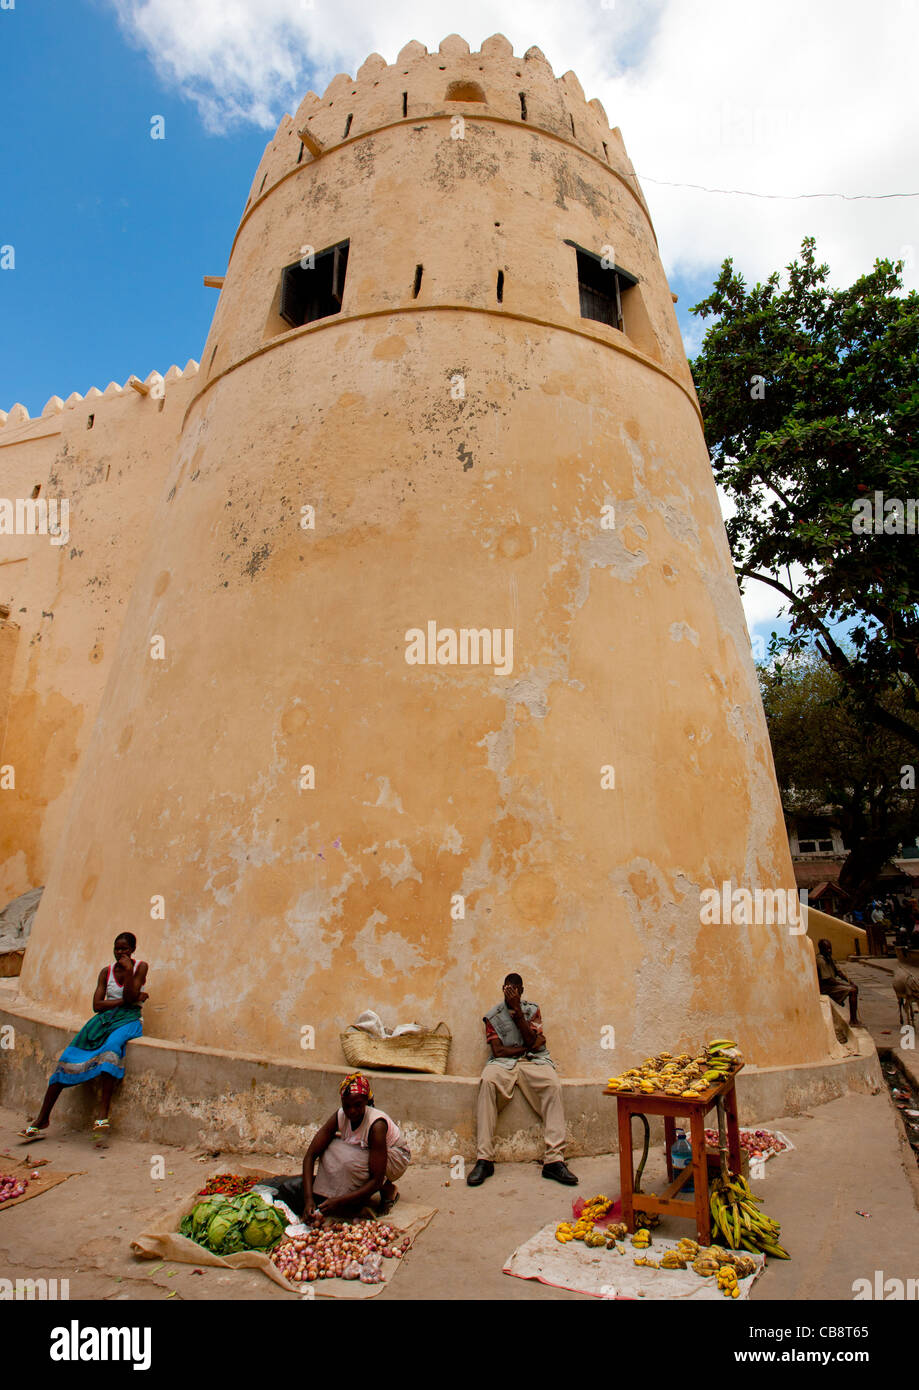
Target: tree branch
point(835, 657)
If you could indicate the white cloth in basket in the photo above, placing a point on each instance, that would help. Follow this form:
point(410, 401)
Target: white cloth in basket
point(371, 1022)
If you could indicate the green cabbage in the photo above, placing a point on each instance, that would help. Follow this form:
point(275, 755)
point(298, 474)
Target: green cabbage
point(262, 1231)
point(202, 1215)
point(226, 1224)
point(222, 1235)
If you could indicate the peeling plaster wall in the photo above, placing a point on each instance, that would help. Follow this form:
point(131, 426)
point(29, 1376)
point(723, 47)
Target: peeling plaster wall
point(289, 908)
point(68, 601)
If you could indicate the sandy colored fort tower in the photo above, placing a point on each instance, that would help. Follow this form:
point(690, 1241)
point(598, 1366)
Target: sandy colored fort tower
point(461, 430)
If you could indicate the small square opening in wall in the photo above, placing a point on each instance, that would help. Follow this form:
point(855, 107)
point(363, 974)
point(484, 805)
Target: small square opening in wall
point(310, 292)
point(603, 290)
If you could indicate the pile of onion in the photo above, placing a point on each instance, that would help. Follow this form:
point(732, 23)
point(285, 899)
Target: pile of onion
point(756, 1143)
point(340, 1250)
point(11, 1187)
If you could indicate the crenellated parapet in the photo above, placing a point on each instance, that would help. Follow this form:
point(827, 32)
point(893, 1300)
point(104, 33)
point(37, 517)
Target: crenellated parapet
point(491, 82)
point(154, 386)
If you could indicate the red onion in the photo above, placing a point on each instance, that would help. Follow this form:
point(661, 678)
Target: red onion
point(11, 1187)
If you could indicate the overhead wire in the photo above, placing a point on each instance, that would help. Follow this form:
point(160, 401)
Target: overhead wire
point(781, 197)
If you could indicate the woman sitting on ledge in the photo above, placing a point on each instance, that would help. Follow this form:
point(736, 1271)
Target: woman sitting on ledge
point(99, 1047)
point(360, 1151)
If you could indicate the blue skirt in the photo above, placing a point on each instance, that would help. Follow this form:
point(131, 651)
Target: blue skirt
point(76, 1065)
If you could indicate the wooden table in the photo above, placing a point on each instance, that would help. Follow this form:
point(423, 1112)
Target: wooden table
point(673, 1108)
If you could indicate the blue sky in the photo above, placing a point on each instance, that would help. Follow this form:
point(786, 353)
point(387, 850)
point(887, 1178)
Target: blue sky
point(112, 231)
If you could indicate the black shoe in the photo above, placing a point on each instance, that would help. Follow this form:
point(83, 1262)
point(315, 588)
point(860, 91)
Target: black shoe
point(482, 1170)
point(559, 1172)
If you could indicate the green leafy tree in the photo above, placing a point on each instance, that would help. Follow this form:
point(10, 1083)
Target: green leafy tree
point(827, 760)
point(811, 402)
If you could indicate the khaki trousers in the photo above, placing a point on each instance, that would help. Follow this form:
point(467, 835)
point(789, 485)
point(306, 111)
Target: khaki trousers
point(540, 1085)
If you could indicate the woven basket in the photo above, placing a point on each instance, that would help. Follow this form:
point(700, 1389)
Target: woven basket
point(425, 1051)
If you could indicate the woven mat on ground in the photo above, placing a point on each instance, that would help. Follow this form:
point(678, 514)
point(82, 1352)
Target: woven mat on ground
point(605, 1274)
point(164, 1242)
point(16, 1168)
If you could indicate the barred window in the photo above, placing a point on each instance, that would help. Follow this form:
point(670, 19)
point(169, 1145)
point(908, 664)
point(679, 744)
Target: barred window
point(310, 292)
point(603, 290)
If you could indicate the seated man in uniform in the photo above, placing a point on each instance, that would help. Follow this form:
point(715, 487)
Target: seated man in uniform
point(513, 1031)
point(833, 982)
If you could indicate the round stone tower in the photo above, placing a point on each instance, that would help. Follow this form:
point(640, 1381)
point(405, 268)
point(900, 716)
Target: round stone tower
point(436, 666)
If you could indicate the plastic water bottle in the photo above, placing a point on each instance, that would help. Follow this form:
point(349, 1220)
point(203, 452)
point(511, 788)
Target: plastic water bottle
point(681, 1157)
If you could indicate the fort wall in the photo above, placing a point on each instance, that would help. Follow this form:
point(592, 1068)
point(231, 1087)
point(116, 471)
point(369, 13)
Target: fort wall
point(106, 455)
point(325, 826)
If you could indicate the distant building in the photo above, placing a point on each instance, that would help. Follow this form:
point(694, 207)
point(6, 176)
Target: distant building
point(818, 852)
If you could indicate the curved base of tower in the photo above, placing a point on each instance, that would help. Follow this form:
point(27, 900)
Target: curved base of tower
point(187, 1095)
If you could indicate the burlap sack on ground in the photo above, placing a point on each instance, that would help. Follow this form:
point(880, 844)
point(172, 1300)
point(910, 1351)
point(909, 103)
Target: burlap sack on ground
point(165, 1243)
point(16, 1168)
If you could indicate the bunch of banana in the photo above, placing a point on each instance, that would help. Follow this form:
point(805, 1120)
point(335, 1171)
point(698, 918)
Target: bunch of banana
point(722, 1256)
point(705, 1264)
point(727, 1281)
point(595, 1240)
point(596, 1207)
point(564, 1232)
point(721, 1058)
point(683, 1076)
point(618, 1231)
point(647, 1220)
point(641, 1239)
point(672, 1259)
point(649, 1264)
point(736, 1214)
point(687, 1247)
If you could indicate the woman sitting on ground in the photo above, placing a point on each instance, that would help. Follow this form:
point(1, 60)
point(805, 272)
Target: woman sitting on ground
point(99, 1047)
point(360, 1151)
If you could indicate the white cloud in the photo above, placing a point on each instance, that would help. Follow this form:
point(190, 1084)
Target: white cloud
point(248, 60)
point(784, 98)
point(778, 98)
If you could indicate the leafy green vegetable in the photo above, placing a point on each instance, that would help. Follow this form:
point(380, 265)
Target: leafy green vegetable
point(226, 1224)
